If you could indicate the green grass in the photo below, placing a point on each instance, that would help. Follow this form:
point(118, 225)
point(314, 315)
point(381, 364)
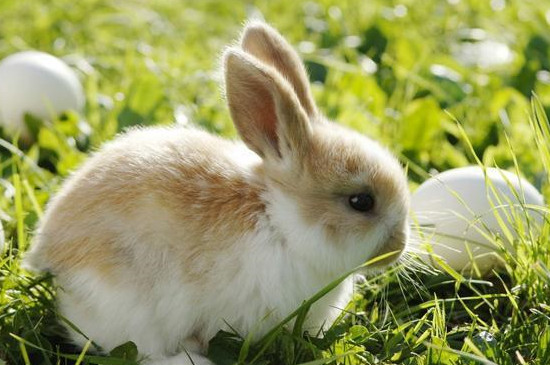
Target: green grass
point(386, 70)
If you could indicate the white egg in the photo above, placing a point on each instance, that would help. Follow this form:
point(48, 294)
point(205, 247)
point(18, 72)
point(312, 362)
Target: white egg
point(458, 213)
point(39, 84)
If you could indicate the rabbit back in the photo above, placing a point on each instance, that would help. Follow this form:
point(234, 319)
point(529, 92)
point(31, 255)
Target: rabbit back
point(147, 224)
point(181, 189)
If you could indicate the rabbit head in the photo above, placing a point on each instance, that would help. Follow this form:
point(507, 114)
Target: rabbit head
point(339, 197)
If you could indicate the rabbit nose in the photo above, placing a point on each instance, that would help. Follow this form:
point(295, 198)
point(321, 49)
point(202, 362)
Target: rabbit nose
point(397, 240)
point(395, 244)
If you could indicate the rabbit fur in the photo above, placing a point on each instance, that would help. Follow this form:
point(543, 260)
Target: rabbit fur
point(168, 234)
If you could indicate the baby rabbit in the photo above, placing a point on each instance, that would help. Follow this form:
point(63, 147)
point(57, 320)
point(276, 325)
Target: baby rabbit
point(168, 234)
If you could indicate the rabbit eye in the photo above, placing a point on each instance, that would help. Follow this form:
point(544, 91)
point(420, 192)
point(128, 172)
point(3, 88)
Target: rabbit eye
point(363, 202)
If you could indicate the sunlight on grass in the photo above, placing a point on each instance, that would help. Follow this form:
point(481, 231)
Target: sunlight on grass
point(386, 69)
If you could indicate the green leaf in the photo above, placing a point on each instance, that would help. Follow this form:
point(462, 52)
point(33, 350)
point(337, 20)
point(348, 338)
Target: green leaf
point(317, 71)
point(48, 140)
point(543, 352)
point(224, 348)
point(358, 333)
point(145, 94)
point(300, 319)
point(332, 358)
point(68, 123)
point(33, 124)
point(422, 122)
point(126, 351)
point(374, 43)
point(129, 117)
point(144, 98)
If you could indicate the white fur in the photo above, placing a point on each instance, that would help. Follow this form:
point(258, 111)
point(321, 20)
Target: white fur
point(277, 267)
point(250, 281)
point(161, 312)
point(311, 246)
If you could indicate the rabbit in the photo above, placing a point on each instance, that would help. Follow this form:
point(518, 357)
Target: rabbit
point(167, 235)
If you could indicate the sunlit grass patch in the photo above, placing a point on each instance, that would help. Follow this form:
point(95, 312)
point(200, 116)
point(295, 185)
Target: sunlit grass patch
point(390, 70)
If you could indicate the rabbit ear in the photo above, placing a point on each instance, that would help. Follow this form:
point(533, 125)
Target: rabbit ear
point(266, 44)
point(264, 108)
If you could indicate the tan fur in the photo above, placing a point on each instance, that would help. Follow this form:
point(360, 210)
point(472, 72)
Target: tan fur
point(185, 192)
point(166, 233)
point(332, 172)
point(326, 168)
point(271, 105)
point(234, 206)
point(271, 48)
point(264, 108)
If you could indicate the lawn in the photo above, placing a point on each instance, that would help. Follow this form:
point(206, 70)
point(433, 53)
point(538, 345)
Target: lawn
point(443, 84)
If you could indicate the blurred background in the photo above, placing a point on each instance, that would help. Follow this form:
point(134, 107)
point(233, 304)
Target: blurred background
point(404, 72)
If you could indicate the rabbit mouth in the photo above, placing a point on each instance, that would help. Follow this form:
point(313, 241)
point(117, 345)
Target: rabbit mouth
point(393, 246)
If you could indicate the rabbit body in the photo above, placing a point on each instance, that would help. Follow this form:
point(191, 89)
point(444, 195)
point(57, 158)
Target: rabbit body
point(169, 234)
point(150, 251)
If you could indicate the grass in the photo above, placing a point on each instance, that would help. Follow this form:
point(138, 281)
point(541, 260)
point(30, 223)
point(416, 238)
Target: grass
point(389, 69)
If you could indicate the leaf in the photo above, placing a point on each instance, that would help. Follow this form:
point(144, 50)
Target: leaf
point(144, 98)
point(422, 121)
point(543, 352)
point(347, 351)
point(374, 43)
point(332, 358)
point(83, 352)
point(33, 124)
point(441, 353)
point(129, 117)
point(317, 71)
point(145, 94)
point(450, 89)
point(406, 53)
point(300, 319)
point(48, 140)
point(68, 123)
point(126, 351)
point(358, 334)
point(287, 349)
point(224, 348)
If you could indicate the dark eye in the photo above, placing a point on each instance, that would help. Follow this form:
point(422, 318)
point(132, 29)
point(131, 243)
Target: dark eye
point(363, 202)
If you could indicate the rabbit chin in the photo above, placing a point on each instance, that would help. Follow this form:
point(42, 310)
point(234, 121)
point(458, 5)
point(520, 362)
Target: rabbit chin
point(312, 245)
